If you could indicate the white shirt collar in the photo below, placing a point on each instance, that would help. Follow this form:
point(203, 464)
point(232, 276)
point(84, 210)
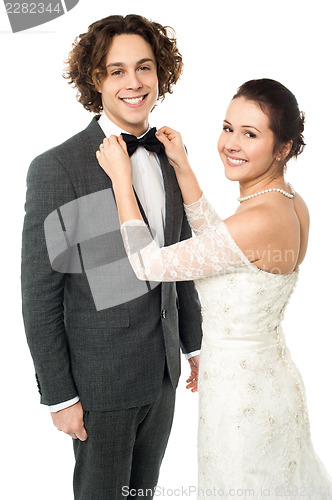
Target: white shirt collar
point(109, 127)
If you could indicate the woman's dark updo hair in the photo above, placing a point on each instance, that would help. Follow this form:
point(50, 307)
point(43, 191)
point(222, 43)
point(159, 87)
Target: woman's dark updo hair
point(280, 105)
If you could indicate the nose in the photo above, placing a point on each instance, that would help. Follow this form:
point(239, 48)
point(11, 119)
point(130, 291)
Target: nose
point(232, 146)
point(133, 81)
point(232, 143)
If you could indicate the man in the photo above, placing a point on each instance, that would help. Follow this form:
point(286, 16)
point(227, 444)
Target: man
point(106, 350)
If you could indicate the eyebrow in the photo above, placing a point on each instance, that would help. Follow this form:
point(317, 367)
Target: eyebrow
point(121, 64)
point(244, 126)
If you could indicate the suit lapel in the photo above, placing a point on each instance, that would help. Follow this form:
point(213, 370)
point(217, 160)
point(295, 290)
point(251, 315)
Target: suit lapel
point(141, 209)
point(92, 176)
point(169, 198)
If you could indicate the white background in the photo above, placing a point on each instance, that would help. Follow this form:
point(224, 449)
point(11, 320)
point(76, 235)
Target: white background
point(223, 44)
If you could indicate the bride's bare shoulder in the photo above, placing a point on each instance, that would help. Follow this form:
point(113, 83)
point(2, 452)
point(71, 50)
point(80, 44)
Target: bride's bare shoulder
point(255, 219)
point(302, 214)
point(301, 210)
point(273, 226)
point(270, 215)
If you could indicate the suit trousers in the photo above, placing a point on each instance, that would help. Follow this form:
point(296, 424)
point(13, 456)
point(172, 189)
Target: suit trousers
point(123, 453)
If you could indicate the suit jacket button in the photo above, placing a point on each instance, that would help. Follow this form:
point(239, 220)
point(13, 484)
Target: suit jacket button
point(163, 313)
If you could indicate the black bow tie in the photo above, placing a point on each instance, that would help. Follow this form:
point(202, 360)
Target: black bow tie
point(149, 141)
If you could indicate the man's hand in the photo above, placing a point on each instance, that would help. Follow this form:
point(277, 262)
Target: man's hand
point(193, 377)
point(70, 421)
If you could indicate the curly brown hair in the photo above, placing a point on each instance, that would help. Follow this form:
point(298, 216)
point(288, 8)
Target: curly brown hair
point(86, 62)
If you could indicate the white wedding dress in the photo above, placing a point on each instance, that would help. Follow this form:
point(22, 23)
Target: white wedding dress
point(254, 435)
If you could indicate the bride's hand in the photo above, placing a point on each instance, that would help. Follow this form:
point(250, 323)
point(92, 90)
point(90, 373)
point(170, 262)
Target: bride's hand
point(174, 148)
point(114, 160)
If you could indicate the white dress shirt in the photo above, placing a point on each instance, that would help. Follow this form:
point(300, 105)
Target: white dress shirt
point(149, 186)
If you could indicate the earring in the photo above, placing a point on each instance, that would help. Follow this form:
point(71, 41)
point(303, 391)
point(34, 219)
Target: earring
point(278, 158)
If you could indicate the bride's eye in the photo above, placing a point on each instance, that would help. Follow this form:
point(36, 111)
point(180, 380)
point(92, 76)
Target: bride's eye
point(249, 134)
point(227, 128)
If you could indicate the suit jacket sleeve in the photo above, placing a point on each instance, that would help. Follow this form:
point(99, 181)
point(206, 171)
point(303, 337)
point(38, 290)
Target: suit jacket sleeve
point(190, 317)
point(48, 188)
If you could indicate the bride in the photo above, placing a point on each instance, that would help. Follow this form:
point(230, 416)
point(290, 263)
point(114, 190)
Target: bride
point(254, 436)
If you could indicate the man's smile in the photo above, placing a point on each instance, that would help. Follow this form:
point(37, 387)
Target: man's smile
point(133, 100)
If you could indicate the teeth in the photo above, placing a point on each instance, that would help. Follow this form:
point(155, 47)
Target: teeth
point(134, 100)
point(235, 162)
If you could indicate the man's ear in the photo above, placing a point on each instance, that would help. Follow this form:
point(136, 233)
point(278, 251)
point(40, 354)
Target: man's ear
point(96, 81)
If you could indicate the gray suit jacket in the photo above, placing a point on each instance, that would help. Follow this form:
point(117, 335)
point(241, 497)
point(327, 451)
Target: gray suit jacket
point(113, 358)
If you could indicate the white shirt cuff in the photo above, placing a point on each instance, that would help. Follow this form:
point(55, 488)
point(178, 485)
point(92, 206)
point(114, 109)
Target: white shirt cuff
point(65, 404)
point(192, 354)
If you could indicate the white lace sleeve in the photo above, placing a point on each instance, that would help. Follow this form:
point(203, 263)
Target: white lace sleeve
point(201, 215)
point(212, 252)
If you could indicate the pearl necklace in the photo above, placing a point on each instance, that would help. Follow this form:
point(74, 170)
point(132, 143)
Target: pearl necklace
point(277, 190)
